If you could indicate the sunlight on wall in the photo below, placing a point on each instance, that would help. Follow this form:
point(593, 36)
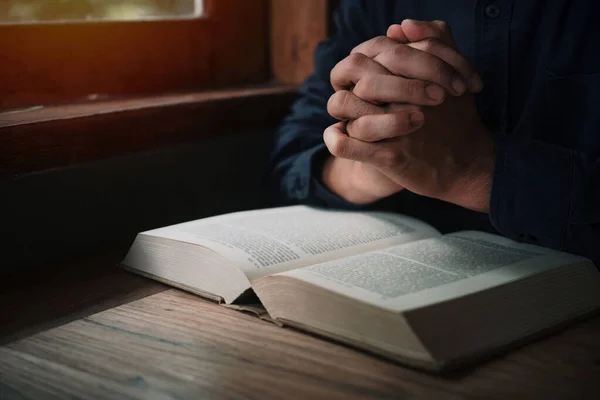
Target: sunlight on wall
point(127, 12)
point(22, 11)
point(56, 10)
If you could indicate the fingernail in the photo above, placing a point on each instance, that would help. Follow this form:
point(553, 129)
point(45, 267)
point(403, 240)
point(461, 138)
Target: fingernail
point(459, 86)
point(435, 92)
point(417, 119)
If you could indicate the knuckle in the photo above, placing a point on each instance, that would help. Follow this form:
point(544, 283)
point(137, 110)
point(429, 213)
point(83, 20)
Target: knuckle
point(331, 104)
point(355, 60)
point(394, 57)
point(442, 25)
point(414, 88)
point(379, 40)
point(338, 102)
point(374, 42)
point(334, 76)
point(364, 87)
point(357, 128)
point(337, 146)
point(352, 127)
point(337, 68)
point(398, 50)
point(344, 99)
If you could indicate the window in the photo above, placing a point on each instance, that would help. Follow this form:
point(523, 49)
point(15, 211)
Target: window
point(61, 10)
point(60, 51)
point(85, 85)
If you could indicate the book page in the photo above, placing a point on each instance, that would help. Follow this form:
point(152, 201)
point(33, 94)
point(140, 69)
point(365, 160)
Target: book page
point(432, 270)
point(263, 242)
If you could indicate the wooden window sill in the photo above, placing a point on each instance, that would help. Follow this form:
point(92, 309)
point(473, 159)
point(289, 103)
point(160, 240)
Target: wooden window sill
point(57, 136)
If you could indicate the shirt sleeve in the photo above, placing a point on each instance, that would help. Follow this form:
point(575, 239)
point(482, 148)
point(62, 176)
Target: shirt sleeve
point(299, 152)
point(547, 195)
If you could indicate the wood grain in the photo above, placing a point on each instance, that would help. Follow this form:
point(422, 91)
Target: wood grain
point(65, 135)
point(174, 345)
point(60, 294)
point(297, 27)
point(47, 63)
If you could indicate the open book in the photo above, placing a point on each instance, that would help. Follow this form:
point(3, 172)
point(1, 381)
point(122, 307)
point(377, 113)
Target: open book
point(381, 282)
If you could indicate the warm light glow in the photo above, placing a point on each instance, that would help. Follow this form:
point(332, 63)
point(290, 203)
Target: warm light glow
point(57, 10)
point(126, 11)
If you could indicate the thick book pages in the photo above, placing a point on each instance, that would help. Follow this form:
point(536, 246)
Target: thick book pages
point(219, 257)
point(381, 282)
point(438, 302)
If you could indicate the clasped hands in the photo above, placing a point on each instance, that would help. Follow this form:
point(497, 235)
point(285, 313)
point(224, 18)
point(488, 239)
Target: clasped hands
point(408, 120)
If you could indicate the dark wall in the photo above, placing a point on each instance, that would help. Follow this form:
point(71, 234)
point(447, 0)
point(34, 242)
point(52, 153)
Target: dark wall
point(61, 215)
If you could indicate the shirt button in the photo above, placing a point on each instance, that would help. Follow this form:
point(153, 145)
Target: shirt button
point(492, 11)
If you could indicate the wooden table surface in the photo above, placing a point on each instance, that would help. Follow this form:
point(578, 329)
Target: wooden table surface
point(101, 333)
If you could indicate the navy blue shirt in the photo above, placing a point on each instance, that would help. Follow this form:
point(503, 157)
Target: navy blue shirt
point(540, 63)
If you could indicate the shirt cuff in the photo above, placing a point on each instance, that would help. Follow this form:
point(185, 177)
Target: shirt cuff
point(531, 191)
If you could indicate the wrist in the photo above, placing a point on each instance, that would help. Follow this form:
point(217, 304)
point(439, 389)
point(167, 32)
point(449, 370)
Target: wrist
point(340, 177)
point(476, 185)
point(477, 193)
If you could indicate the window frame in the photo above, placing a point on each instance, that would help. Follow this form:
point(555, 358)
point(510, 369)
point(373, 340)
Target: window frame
point(58, 62)
point(62, 135)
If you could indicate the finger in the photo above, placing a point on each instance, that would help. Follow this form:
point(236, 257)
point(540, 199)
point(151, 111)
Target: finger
point(415, 31)
point(379, 154)
point(345, 105)
point(343, 146)
point(403, 60)
point(396, 33)
point(375, 46)
point(422, 31)
point(411, 63)
point(396, 89)
point(373, 128)
point(347, 72)
point(452, 57)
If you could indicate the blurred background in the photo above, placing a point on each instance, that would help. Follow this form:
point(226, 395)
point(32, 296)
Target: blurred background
point(109, 126)
point(57, 10)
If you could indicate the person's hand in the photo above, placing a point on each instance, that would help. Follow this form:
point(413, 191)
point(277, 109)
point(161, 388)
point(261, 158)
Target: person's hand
point(412, 64)
point(451, 157)
point(360, 182)
point(355, 181)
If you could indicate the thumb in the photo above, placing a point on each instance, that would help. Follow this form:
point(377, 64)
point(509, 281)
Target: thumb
point(415, 31)
point(396, 32)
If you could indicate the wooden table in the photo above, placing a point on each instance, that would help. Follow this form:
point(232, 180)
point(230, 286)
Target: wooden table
point(98, 332)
